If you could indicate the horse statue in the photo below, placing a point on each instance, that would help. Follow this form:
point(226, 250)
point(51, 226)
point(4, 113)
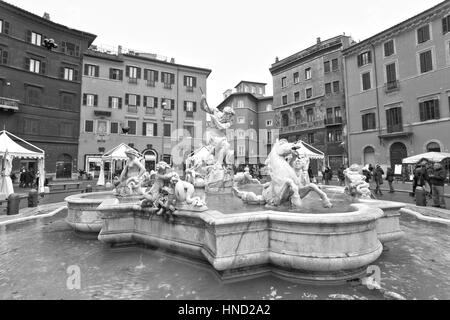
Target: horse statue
point(289, 182)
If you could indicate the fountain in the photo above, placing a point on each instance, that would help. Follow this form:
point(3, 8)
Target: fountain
point(270, 234)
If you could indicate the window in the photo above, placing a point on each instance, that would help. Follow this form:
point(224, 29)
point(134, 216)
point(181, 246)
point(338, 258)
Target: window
point(241, 151)
point(149, 129)
point(91, 70)
point(33, 65)
point(260, 90)
point(364, 58)
point(132, 126)
point(308, 74)
point(368, 121)
point(429, 110)
point(190, 106)
point(102, 127)
point(326, 66)
point(391, 76)
point(338, 113)
point(36, 38)
point(283, 82)
point(297, 117)
point(150, 102)
point(3, 56)
point(241, 120)
point(115, 74)
point(167, 129)
point(132, 100)
point(269, 123)
point(296, 77)
point(269, 107)
point(327, 88)
point(151, 76)
point(285, 120)
point(68, 74)
point(89, 126)
point(335, 65)
point(433, 147)
point(115, 103)
point(4, 27)
point(310, 115)
point(329, 114)
point(90, 100)
point(394, 120)
point(330, 136)
point(310, 138)
point(240, 104)
point(423, 34)
point(285, 100)
point(338, 136)
point(133, 73)
point(190, 83)
point(34, 95)
point(445, 25)
point(336, 86)
point(389, 48)
point(70, 49)
point(309, 93)
point(366, 81)
point(297, 96)
point(67, 100)
point(31, 126)
point(426, 61)
point(114, 127)
point(168, 79)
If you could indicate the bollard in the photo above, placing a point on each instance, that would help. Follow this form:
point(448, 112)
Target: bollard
point(88, 188)
point(13, 204)
point(33, 199)
point(421, 199)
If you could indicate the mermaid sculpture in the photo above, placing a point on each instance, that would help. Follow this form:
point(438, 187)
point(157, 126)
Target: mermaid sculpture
point(133, 176)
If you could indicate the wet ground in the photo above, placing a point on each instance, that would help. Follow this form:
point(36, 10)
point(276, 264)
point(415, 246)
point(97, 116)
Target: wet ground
point(35, 256)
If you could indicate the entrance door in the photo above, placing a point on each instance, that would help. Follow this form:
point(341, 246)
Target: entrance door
point(397, 153)
point(369, 156)
point(64, 167)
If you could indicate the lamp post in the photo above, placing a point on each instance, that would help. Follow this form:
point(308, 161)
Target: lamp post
point(164, 105)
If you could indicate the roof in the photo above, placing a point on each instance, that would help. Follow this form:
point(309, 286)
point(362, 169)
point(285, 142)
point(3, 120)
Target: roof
point(16, 150)
point(234, 94)
point(439, 9)
point(118, 153)
point(252, 82)
point(430, 156)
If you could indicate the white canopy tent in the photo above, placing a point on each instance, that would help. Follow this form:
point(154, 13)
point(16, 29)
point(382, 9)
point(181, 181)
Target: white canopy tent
point(117, 153)
point(11, 149)
point(430, 156)
point(307, 150)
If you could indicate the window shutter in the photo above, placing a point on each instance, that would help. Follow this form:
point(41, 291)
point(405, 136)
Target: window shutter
point(43, 67)
point(95, 100)
point(5, 57)
point(155, 129)
point(144, 125)
point(172, 78)
point(28, 36)
point(156, 76)
point(6, 27)
point(195, 105)
point(185, 105)
point(110, 73)
point(61, 72)
point(184, 80)
point(145, 74)
point(155, 102)
point(75, 75)
point(27, 64)
point(121, 75)
point(138, 100)
point(445, 25)
point(436, 109)
point(120, 103)
point(369, 54)
point(138, 75)
point(194, 82)
point(145, 101)
point(77, 51)
point(97, 71)
point(127, 71)
point(109, 102)
point(127, 99)
point(63, 46)
point(359, 60)
point(84, 99)
point(172, 104)
point(86, 69)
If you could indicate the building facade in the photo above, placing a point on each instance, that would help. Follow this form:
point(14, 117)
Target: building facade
point(398, 90)
point(309, 100)
point(40, 86)
point(140, 100)
point(252, 132)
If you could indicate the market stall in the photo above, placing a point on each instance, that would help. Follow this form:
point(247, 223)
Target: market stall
point(113, 156)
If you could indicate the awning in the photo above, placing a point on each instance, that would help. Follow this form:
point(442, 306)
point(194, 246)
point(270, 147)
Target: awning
point(430, 156)
point(118, 153)
point(15, 149)
point(307, 150)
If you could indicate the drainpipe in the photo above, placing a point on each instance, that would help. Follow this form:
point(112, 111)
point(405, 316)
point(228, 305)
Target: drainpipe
point(376, 91)
point(347, 111)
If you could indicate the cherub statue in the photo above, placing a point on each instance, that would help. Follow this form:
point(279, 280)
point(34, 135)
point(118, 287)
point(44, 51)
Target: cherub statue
point(355, 182)
point(184, 192)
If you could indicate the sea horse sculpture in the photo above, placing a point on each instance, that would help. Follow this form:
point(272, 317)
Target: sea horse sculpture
point(355, 182)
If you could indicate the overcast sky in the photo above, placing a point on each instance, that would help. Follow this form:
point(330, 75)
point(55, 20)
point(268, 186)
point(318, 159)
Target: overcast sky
point(238, 40)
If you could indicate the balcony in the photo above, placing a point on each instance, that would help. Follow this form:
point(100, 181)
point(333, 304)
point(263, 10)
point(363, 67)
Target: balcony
point(133, 80)
point(190, 114)
point(9, 104)
point(99, 113)
point(302, 126)
point(167, 85)
point(149, 110)
point(395, 131)
point(189, 89)
point(333, 121)
point(132, 109)
point(391, 86)
point(150, 83)
point(167, 113)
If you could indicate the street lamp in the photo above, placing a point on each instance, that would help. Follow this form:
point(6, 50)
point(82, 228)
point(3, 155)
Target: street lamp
point(165, 107)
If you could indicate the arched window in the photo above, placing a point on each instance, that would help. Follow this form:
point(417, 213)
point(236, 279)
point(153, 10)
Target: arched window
point(397, 153)
point(64, 166)
point(369, 156)
point(433, 147)
point(285, 120)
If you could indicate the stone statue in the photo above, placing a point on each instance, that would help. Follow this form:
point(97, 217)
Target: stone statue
point(184, 192)
point(355, 182)
point(162, 178)
point(245, 177)
point(289, 180)
point(132, 177)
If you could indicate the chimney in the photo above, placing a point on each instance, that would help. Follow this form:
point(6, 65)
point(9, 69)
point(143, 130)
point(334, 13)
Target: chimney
point(276, 59)
point(46, 16)
point(119, 50)
point(318, 40)
point(172, 60)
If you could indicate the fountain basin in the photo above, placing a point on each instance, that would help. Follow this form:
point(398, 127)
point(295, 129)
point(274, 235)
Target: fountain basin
point(330, 248)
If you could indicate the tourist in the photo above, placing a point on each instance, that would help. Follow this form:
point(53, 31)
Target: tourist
point(419, 177)
point(310, 173)
point(22, 177)
point(366, 172)
point(327, 175)
point(390, 179)
point(437, 179)
point(341, 176)
point(378, 178)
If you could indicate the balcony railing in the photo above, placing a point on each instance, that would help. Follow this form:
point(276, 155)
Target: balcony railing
point(395, 128)
point(302, 126)
point(132, 80)
point(333, 121)
point(396, 131)
point(132, 109)
point(149, 110)
point(167, 85)
point(9, 104)
point(391, 86)
point(189, 114)
point(167, 113)
point(190, 89)
point(150, 83)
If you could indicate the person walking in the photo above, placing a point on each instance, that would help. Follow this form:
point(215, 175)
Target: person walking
point(378, 177)
point(390, 179)
point(366, 173)
point(327, 175)
point(341, 176)
point(437, 179)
